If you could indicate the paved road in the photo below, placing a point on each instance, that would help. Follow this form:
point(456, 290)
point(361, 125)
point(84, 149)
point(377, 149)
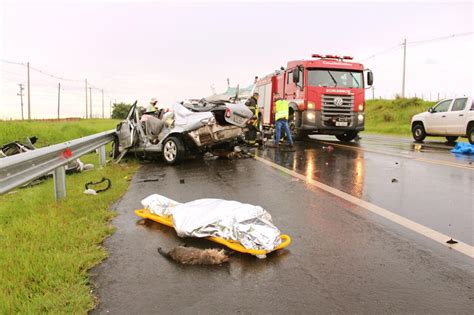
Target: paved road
point(343, 259)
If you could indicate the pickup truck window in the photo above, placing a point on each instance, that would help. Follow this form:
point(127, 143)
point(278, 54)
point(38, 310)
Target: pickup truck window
point(459, 104)
point(442, 107)
point(472, 105)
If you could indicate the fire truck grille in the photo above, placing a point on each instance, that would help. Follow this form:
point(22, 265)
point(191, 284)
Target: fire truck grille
point(337, 107)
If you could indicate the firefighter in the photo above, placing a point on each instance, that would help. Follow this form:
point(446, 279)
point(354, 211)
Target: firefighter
point(251, 134)
point(152, 107)
point(281, 120)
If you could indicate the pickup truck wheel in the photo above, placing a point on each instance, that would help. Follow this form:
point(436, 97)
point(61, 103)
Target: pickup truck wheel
point(173, 150)
point(452, 138)
point(419, 133)
point(347, 136)
point(470, 135)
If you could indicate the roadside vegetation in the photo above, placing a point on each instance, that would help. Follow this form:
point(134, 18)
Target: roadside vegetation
point(47, 247)
point(393, 116)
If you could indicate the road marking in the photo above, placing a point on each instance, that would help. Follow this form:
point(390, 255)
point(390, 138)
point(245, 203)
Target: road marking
point(436, 236)
point(437, 162)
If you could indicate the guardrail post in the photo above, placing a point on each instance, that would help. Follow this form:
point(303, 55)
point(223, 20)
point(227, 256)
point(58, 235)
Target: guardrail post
point(59, 176)
point(102, 155)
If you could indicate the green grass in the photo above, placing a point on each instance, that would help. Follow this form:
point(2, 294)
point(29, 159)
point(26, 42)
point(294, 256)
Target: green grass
point(393, 116)
point(47, 247)
point(52, 132)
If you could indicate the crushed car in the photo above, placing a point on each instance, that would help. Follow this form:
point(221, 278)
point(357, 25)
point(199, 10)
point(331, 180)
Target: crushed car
point(186, 129)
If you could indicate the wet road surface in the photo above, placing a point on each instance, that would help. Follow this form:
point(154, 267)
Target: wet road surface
point(342, 259)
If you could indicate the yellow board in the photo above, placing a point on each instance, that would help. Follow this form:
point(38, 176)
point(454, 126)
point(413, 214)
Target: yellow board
point(286, 240)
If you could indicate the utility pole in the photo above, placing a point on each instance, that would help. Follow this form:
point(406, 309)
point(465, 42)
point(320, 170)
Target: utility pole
point(90, 102)
point(21, 99)
point(373, 92)
point(110, 108)
point(103, 104)
point(87, 111)
point(59, 97)
point(29, 99)
point(404, 65)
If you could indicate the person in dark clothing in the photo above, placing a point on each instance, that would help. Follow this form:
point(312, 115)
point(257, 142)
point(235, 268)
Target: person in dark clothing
point(251, 134)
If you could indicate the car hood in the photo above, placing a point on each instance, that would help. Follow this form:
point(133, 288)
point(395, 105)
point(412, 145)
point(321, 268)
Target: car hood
point(420, 116)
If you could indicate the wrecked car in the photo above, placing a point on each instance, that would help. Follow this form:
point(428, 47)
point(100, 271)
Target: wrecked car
point(181, 131)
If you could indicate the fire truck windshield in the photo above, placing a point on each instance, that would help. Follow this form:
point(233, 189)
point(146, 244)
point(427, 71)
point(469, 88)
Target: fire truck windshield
point(335, 78)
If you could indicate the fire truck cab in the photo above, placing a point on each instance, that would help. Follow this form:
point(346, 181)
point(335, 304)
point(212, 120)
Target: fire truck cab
point(326, 96)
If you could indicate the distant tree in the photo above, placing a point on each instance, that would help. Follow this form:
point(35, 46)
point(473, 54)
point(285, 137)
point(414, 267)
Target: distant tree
point(120, 110)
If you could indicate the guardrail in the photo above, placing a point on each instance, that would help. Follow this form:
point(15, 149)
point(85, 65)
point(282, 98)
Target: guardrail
point(22, 168)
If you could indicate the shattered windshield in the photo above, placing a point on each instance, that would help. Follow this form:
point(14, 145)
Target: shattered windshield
point(335, 78)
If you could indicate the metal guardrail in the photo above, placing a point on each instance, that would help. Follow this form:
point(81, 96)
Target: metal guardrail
point(22, 168)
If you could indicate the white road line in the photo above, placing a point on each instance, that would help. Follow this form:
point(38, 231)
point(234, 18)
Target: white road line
point(436, 236)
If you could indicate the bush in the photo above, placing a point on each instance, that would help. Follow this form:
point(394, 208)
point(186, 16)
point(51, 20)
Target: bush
point(120, 110)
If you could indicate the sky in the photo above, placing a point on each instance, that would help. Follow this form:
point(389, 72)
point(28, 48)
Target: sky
point(177, 50)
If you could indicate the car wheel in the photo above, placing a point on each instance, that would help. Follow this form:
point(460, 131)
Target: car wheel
point(470, 135)
point(115, 148)
point(173, 150)
point(452, 138)
point(419, 133)
point(347, 137)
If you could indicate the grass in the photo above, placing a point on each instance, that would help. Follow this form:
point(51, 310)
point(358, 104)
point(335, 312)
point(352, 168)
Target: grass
point(52, 132)
point(393, 116)
point(47, 247)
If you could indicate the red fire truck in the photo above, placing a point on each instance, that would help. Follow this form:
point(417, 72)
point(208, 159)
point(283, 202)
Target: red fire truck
point(326, 95)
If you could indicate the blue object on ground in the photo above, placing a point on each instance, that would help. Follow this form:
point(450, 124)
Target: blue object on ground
point(463, 148)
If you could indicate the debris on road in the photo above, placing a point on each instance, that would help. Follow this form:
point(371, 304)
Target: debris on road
point(451, 241)
point(463, 148)
point(90, 191)
point(181, 180)
point(242, 227)
point(195, 256)
point(394, 180)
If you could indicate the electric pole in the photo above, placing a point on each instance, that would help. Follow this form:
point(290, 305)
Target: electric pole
point(110, 108)
point(373, 92)
point(21, 99)
point(103, 104)
point(404, 65)
point(87, 111)
point(90, 102)
point(29, 99)
point(59, 97)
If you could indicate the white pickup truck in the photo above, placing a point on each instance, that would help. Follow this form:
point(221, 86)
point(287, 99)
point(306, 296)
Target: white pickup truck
point(450, 118)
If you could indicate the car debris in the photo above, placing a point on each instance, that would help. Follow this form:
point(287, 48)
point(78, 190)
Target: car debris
point(90, 191)
point(184, 130)
point(394, 180)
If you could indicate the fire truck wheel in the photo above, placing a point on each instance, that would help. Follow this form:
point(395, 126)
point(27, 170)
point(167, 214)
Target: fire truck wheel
point(298, 134)
point(173, 150)
point(347, 137)
point(419, 133)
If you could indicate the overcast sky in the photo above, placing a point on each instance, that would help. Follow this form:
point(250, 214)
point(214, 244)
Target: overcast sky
point(138, 50)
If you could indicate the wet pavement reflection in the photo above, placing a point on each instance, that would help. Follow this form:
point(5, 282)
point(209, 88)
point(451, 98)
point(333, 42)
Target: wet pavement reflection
point(424, 183)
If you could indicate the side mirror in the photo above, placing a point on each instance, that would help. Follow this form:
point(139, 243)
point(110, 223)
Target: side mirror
point(370, 78)
point(430, 110)
point(296, 75)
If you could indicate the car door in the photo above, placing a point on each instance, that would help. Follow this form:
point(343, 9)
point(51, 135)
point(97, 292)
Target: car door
point(436, 121)
point(456, 117)
point(126, 130)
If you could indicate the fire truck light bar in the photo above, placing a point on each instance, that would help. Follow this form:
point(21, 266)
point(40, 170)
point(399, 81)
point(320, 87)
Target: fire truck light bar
point(316, 56)
point(347, 57)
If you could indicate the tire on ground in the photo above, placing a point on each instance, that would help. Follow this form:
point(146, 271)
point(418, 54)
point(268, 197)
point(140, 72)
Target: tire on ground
point(470, 134)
